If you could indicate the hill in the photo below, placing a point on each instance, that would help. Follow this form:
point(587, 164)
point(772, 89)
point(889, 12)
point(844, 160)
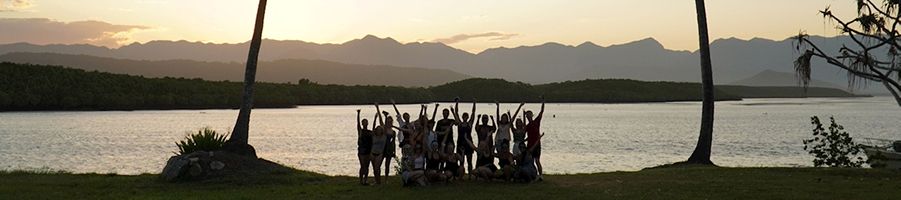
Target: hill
point(645, 59)
point(784, 92)
point(775, 78)
point(38, 87)
point(277, 71)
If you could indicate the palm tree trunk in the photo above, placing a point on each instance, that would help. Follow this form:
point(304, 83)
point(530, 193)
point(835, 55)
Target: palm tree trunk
point(238, 141)
point(701, 154)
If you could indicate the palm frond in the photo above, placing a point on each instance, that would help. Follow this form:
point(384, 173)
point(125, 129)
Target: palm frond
point(802, 68)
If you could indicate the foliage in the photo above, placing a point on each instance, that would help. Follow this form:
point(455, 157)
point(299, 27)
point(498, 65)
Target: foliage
point(206, 139)
point(834, 148)
point(41, 87)
point(874, 33)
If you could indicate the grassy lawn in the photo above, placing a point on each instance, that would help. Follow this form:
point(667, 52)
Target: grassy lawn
point(670, 183)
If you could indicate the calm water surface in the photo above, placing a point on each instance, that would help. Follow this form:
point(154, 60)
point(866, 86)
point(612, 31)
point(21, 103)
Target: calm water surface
point(581, 138)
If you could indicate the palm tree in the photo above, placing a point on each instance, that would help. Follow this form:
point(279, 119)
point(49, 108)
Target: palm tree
point(238, 141)
point(701, 154)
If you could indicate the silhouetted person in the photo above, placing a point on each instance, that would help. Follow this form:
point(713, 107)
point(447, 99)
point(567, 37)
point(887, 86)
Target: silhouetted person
point(533, 130)
point(485, 167)
point(504, 128)
point(464, 135)
point(379, 142)
point(364, 147)
point(445, 128)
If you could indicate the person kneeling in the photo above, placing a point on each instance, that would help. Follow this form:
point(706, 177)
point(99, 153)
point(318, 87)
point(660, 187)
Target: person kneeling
point(452, 166)
point(526, 170)
point(434, 172)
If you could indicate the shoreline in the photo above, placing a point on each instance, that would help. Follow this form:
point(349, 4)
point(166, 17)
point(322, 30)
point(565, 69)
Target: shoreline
point(415, 103)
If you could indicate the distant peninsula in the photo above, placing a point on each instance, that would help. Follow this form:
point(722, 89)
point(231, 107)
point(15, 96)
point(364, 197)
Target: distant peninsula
point(27, 87)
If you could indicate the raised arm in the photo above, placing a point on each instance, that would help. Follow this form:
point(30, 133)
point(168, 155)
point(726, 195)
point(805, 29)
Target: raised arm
point(422, 110)
point(374, 120)
point(435, 112)
point(541, 113)
point(517, 111)
point(497, 112)
point(397, 112)
point(455, 110)
point(378, 112)
point(492, 122)
point(402, 129)
point(359, 123)
point(473, 113)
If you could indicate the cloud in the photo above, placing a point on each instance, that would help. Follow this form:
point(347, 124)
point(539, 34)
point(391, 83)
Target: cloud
point(47, 31)
point(14, 5)
point(464, 37)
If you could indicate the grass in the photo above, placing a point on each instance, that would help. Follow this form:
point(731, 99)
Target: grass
point(667, 183)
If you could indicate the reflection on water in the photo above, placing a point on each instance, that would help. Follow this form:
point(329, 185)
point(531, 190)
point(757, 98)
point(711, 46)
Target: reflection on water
point(581, 138)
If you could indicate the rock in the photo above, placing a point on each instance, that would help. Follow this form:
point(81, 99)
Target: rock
point(209, 165)
point(175, 167)
point(216, 165)
point(196, 170)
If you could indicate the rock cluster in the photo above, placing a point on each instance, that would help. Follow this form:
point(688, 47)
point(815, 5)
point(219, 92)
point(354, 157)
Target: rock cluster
point(196, 165)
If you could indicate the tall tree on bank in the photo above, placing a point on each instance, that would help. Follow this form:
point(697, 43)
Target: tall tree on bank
point(874, 54)
point(701, 154)
point(238, 141)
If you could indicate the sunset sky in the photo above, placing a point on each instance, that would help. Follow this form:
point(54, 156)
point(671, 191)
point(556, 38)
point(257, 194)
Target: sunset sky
point(471, 25)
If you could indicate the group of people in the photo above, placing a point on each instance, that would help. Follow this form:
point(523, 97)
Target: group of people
point(508, 149)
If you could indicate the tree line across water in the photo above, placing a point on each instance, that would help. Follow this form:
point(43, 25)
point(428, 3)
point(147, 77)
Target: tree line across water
point(41, 87)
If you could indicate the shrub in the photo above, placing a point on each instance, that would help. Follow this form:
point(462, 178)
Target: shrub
point(834, 148)
point(205, 139)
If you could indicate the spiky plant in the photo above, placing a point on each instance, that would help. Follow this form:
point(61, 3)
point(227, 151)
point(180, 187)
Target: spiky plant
point(206, 139)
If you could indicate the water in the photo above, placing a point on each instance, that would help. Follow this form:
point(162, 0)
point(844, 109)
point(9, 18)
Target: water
point(581, 138)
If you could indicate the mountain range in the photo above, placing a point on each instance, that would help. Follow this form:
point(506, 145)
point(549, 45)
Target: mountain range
point(734, 60)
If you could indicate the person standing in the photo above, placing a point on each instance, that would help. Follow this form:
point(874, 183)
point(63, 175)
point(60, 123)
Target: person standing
point(445, 128)
point(533, 131)
point(364, 147)
point(504, 128)
point(465, 145)
point(379, 142)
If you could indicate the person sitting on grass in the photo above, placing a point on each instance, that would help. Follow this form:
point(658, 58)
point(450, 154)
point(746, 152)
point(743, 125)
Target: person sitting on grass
point(525, 165)
point(452, 163)
point(364, 147)
point(414, 170)
point(433, 164)
point(505, 162)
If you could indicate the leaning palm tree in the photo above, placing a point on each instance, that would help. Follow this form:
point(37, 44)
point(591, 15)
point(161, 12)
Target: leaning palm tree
point(238, 141)
point(701, 154)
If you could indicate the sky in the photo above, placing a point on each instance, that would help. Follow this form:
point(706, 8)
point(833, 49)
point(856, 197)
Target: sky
point(471, 25)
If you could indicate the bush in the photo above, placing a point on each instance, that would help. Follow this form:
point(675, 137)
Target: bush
point(205, 139)
point(834, 148)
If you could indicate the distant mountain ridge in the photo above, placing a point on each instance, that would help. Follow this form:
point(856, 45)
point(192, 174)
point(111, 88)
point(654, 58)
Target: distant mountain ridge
point(733, 59)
